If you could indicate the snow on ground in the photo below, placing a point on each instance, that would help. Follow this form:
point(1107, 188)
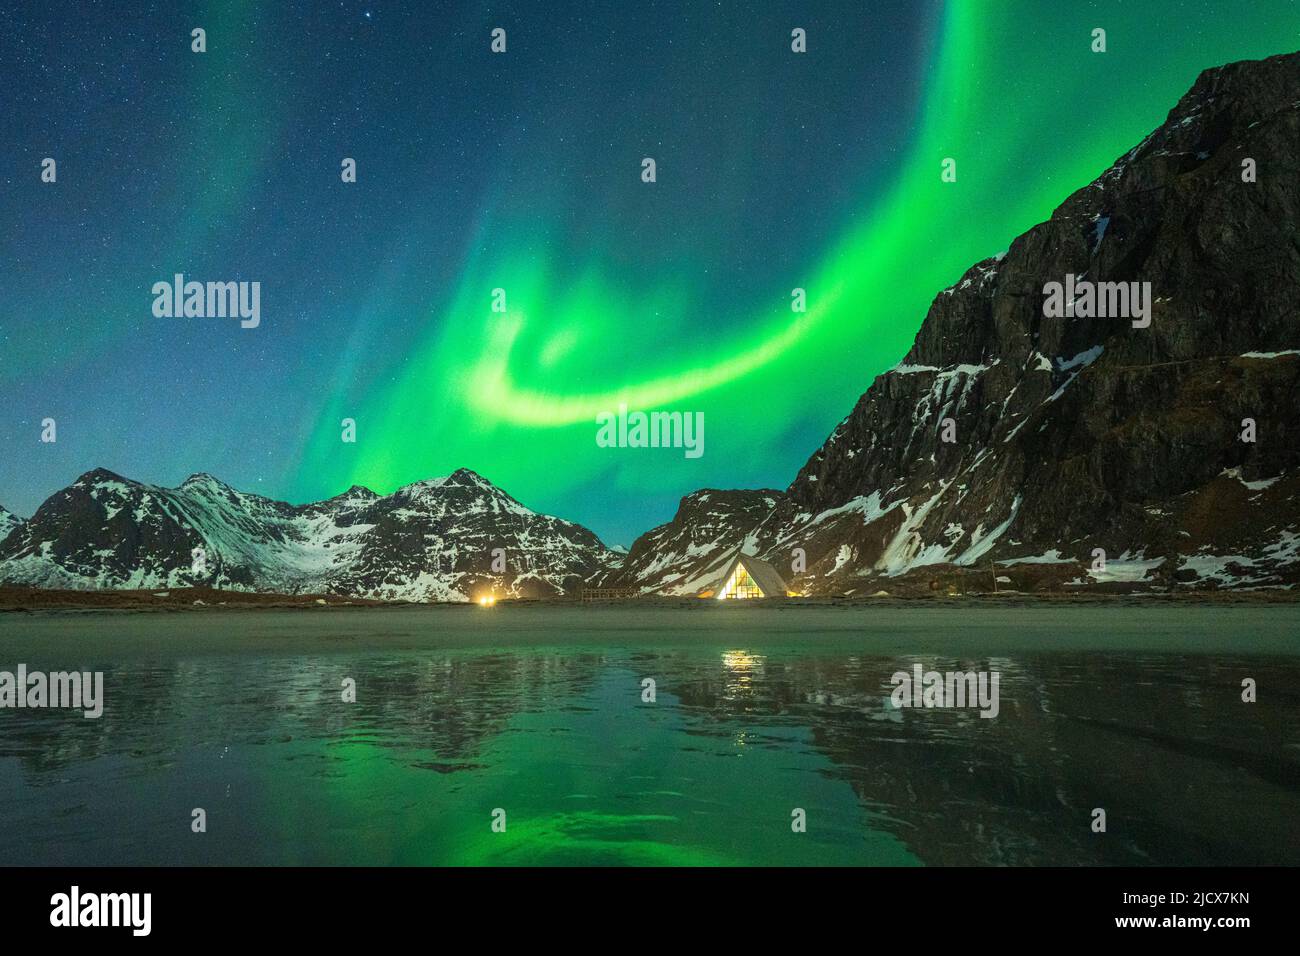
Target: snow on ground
point(1125, 568)
point(981, 544)
point(1050, 557)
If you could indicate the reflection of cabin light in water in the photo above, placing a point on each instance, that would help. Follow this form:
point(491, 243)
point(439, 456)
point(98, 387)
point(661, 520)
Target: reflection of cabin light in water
point(739, 661)
point(737, 685)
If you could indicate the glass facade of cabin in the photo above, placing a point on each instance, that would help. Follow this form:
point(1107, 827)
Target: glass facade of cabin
point(740, 585)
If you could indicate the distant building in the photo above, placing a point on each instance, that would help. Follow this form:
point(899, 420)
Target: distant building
point(745, 576)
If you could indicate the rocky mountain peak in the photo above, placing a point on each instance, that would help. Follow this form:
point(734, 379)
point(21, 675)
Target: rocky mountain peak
point(1075, 448)
point(464, 476)
point(100, 475)
point(202, 479)
point(1070, 434)
point(8, 522)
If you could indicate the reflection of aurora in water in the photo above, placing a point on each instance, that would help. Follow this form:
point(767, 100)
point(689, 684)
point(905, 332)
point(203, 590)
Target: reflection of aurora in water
point(451, 722)
point(1011, 90)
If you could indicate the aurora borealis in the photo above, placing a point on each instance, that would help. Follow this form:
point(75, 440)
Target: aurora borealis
point(521, 171)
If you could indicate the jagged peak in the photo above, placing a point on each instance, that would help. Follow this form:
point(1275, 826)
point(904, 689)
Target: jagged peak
point(466, 476)
point(1212, 79)
point(1204, 117)
point(424, 484)
point(8, 522)
point(705, 495)
point(460, 478)
point(96, 475)
point(202, 478)
point(353, 494)
point(734, 491)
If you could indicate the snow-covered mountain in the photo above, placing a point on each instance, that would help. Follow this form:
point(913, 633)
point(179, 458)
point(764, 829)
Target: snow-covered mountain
point(682, 556)
point(8, 521)
point(445, 539)
point(1011, 441)
point(1087, 450)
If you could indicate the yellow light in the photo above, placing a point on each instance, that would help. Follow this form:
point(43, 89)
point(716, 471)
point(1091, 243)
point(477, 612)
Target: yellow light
point(487, 600)
point(738, 661)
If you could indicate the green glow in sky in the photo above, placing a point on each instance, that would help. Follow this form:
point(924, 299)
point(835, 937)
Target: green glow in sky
point(1013, 92)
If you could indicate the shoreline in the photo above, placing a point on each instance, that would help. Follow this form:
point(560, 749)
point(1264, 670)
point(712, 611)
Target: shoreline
point(23, 600)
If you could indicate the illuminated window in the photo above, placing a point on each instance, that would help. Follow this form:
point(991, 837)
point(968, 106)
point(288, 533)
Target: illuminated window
point(740, 585)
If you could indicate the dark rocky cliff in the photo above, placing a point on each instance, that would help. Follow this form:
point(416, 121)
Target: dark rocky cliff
point(1088, 450)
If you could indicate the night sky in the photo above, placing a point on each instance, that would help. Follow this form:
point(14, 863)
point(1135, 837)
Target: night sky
point(522, 171)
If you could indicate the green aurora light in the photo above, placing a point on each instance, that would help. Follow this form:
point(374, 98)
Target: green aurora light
point(1029, 115)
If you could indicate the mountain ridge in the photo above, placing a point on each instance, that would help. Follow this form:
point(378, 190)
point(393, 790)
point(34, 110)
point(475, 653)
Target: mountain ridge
point(1053, 451)
point(445, 539)
point(1087, 451)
